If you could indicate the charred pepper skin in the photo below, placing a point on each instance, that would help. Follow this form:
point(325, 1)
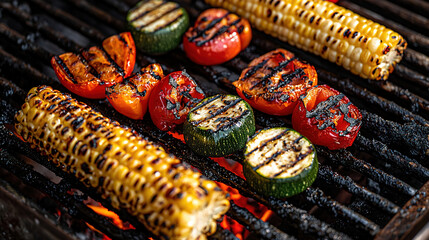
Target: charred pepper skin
point(169, 198)
point(131, 97)
point(90, 71)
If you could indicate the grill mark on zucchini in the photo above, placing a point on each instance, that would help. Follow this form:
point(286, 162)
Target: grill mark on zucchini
point(266, 142)
point(146, 8)
point(207, 102)
point(286, 148)
point(281, 143)
point(232, 121)
point(166, 20)
point(155, 15)
point(219, 125)
point(219, 111)
point(300, 157)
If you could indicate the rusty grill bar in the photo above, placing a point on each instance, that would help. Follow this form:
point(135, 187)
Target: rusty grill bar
point(384, 175)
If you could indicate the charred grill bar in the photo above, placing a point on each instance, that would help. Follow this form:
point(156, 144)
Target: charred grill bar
point(365, 191)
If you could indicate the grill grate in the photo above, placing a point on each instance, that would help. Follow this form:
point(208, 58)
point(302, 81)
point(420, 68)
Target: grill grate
point(382, 172)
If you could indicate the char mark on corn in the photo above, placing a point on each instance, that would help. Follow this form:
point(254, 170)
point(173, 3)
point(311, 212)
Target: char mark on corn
point(362, 46)
point(169, 198)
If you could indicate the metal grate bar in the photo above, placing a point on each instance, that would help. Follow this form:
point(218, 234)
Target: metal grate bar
point(33, 23)
point(98, 13)
point(412, 213)
point(69, 20)
point(263, 229)
point(412, 76)
point(332, 177)
point(8, 61)
point(22, 42)
point(403, 14)
point(411, 167)
point(420, 6)
point(417, 59)
point(345, 158)
point(316, 196)
point(409, 137)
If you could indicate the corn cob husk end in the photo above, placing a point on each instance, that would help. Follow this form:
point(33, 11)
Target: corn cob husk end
point(169, 198)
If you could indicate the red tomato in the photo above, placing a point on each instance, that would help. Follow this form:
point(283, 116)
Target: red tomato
point(273, 82)
point(327, 117)
point(88, 73)
point(217, 36)
point(172, 99)
point(131, 96)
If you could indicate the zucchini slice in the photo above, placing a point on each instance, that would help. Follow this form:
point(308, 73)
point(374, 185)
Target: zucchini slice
point(157, 26)
point(219, 125)
point(280, 162)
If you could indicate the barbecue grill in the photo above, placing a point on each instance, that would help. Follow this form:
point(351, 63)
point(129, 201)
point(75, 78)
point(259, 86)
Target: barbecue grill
point(376, 189)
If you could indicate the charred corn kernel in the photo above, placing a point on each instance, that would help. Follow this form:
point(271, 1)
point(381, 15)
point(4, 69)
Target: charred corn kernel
point(170, 199)
point(322, 27)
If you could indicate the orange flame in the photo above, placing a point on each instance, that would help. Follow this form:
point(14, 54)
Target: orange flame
point(113, 216)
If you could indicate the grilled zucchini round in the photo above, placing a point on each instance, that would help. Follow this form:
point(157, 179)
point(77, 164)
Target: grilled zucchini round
point(280, 162)
point(219, 125)
point(157, 26)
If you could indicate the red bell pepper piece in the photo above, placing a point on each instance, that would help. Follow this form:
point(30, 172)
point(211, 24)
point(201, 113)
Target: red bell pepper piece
point(89, 72)
point(131, 97)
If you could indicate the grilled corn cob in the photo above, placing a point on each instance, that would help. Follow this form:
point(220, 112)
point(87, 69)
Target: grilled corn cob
point(362, 46)
point(170, 199)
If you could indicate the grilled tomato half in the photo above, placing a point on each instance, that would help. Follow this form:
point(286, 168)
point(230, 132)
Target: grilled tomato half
point(273, 82)
point(327, 118)
point(217, 37)
point(172, 99)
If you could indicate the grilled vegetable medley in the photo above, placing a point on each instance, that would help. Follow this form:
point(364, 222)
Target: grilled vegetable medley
point(280, 162)
point(216, 37)
point(273, 82)
point(157, 25)
point(362, 46)
point(169, 198)
point(90, 71)
point(219, 125)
